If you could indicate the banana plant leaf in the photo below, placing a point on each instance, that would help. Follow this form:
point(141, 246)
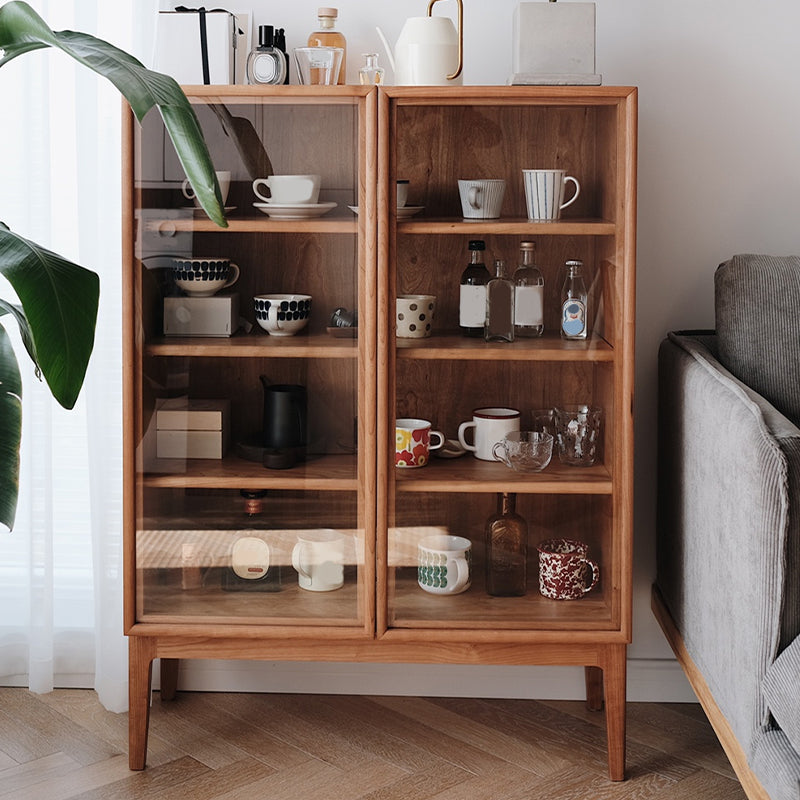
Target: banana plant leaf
point(10, 429)
point(23, 30)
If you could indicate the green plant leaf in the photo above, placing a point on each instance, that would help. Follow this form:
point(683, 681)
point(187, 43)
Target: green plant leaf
point(23, 30)
point(60, 301)
point(10, 429)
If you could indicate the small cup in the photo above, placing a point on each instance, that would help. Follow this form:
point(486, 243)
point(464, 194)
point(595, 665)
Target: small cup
point(544, 421)
point(491, 425)
point(412, 442)
point(525, 451)
point(318, 558)
point(563, 569)
point(414, 317)
point(289, 190)
point(481, 199)
point(224, 181)
point(282, 314)
point(204, 277)
point(402, 193)
point(318, 66)
point(577, 434)
point(544, 192)
point(444, 564)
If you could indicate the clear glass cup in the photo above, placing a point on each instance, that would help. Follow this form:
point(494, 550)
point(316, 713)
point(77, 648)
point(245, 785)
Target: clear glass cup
point(578, 434)
point(318, 66)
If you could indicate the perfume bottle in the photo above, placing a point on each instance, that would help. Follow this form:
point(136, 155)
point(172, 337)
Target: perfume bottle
point(573, 303)
point(328, 36)
point(499, 325)
point(472, 299)
point(371, 74)
point(506, 549)
point(266, 64)
point(280, 43)
point(528, 294)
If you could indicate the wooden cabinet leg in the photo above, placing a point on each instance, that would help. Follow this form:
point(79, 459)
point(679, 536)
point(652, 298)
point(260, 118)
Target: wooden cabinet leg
point(169, 678)
point(141, 652)
point(594, 688)
point(614, 684)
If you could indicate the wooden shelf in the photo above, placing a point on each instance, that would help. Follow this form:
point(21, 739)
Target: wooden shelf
point(257, 344)
point(519, 226)
point(252, 224)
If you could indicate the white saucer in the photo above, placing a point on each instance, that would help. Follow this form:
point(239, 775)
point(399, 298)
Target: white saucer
point(298, 211)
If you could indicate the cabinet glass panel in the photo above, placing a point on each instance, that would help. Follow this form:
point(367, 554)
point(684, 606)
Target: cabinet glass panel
point(254, 503)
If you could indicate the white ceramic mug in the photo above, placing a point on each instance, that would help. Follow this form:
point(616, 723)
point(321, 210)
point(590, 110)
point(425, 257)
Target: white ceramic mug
point(224, 181)
point(289, 190)
point(444, 564)
point(282, 314)
point(564, 568)
point(544, 192)
point(318, 558)
point(412, 442)
point(490, 426)
point(481, 199)
point(414, 315)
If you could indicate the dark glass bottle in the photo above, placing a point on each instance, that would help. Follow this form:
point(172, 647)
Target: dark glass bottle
point(472, 300)
point(506, 550)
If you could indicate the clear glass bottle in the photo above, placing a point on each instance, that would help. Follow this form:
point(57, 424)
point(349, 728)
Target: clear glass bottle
point(328, 36)
point(371, 74)
point(472, 299)
point(506, 549)
point(574, 301)
point(266, 64)
point(499, 325)
point(528, 294)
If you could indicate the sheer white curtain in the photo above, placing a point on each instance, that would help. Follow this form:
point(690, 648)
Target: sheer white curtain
point(61, 567)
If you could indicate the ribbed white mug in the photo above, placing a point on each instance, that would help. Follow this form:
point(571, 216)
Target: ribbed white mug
point(481, 199)
point(544, 192)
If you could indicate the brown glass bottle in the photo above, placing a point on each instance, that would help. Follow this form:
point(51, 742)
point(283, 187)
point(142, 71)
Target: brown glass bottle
point(506, 549)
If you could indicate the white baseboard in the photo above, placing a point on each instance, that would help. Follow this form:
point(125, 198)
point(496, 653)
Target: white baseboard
point(649, 680)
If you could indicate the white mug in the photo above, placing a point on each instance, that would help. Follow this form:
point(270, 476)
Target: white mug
point(481, 199)
point(444, 564)
point(289, 190)
point(544, 192)
point(490, 427)
point(318, 558)
point(402, 193)
point(223, 179)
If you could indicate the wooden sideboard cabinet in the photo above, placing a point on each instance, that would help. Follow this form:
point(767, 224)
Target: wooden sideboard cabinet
point(184, 515)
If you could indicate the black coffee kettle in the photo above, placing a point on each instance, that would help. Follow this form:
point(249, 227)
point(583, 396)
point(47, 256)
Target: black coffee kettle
point(284, 433)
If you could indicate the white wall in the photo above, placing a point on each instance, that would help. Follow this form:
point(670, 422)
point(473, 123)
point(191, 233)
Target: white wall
point(719, 167)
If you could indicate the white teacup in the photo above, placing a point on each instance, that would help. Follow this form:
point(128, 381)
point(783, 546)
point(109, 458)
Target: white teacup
point(544, 192)
point(490, 426)
point(318, 558)
point(481, 199)
point(444, 564)
point(224, 181)
point(203, 277)
point(282, 314)
point(289, 190)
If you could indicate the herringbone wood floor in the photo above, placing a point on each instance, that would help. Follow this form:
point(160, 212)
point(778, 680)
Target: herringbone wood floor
point(291, 747)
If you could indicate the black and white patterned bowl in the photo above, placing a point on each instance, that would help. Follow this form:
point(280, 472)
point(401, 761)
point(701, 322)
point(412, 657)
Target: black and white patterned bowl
point(282, 314)
point(203, 277)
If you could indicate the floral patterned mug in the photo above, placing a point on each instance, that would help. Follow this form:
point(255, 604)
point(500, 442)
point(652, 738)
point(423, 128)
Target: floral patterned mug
point(412, 442)
point(564, 569)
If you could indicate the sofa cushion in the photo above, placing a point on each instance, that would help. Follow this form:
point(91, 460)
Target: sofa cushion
point(782, 692)
point(757, 308)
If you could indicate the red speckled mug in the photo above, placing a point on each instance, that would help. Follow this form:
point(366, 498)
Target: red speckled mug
point(563, 570)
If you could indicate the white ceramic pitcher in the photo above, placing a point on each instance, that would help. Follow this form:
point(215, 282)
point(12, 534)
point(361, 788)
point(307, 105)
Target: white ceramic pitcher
point(429, 51)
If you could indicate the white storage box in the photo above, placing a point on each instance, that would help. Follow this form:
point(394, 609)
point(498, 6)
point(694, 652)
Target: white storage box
point(189, 428)
point(179, 50)
point(554, 44)
point(201, 316)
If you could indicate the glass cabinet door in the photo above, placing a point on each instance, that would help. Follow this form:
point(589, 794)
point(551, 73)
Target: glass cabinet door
point(251, 397)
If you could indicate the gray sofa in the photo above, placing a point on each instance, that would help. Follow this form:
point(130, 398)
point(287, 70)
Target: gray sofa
point(727, 591)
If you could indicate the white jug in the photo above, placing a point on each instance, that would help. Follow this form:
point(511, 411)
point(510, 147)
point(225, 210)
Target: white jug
point(429, 51)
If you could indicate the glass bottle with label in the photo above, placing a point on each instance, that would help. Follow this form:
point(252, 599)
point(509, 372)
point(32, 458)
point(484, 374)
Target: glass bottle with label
point(472, 300)
point(528, 294)
point(499, 325)
point(266, 64)
point(371, 74)
point(574, 303)
point(328, 36)
point(506, 550)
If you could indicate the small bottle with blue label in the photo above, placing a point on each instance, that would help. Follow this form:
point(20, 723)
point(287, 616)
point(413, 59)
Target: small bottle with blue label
point(574, 300)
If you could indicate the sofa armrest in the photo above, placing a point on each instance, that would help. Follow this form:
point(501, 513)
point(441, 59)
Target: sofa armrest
point(729, 490)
